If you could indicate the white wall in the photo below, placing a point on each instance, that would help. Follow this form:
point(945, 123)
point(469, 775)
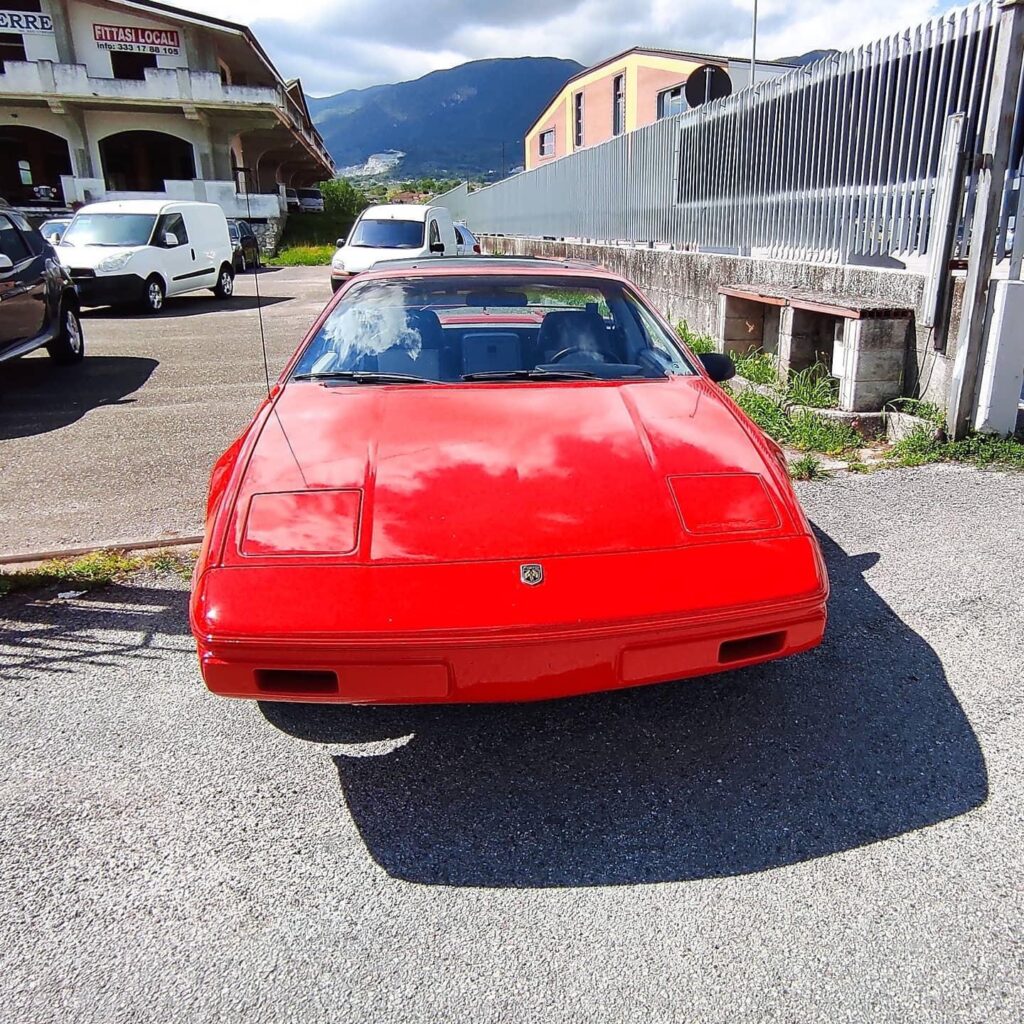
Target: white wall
point(88, 52)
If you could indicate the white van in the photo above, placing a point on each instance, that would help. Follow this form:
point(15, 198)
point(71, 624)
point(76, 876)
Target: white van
point(140, 251)
point(393, 232)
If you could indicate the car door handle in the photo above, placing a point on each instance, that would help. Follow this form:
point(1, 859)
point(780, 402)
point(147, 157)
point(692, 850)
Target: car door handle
point(193, 254)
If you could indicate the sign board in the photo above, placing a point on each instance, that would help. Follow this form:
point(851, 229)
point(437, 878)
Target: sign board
point(25, 22)
point(133, 39)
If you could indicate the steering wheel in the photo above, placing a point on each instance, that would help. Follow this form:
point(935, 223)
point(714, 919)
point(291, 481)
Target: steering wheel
point(577, 350)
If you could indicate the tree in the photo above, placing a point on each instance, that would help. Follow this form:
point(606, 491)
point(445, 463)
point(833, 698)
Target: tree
point(342, 197)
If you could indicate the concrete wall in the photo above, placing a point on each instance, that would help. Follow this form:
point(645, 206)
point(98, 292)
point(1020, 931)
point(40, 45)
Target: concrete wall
point(96, 59)
point(684, 286)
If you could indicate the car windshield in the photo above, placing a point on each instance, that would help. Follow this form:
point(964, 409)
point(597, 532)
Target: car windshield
point(110, 229)
point(233, 231)
point(388, 234)
point(490, 328)
point(310, 193)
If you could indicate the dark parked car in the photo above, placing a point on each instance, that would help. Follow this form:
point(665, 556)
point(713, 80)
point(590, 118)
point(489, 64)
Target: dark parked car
point(38, 302)
point(245, 244)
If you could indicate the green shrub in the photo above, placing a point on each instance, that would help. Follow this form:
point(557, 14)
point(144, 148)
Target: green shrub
point(698, 344)
point(814, 387)
point(767, 412)
point(757, 366)
point(921, 447)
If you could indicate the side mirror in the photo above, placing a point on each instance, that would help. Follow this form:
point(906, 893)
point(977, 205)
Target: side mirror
point(54, 238)
point(170, 239)
point(437, 247)
point(5, 262)
point(720, 367)
point(340, 243)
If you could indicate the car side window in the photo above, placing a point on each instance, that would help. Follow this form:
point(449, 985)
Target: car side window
point(174, 224)
point(435, 233)
point(459, 238)
point(12, 245)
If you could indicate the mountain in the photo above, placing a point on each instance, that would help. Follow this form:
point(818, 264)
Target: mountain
point(810, 57)
point(447, 123)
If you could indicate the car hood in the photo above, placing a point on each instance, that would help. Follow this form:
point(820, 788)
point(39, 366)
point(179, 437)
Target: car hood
point(473, 472)
point(357, 258)
point(87, 257)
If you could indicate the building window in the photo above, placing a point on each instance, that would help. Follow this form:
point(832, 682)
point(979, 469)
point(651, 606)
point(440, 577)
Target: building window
point(671, 102)
point(618, 104)
point(131, 65)
point(12, 47)
point(577, 120)
point(25, 172)
point(547, 142)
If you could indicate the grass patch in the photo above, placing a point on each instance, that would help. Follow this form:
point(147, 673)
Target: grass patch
point(757, 366)
point(814, 387)
point(920, 447)
point(302, 256)
point(96, 569)
point(807, 467)
point(812, 433)
point(698, 344)
point(315, 229)
point(799, 428)
point(916, 407)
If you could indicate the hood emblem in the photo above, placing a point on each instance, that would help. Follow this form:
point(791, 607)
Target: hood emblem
point(531, 574)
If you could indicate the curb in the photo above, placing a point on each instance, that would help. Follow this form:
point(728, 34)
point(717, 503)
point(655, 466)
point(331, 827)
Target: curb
point(125, 545)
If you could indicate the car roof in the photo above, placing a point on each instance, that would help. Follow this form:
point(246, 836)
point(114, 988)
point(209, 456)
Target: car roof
point(143, 205)
point(397, 211)
point(531, 265)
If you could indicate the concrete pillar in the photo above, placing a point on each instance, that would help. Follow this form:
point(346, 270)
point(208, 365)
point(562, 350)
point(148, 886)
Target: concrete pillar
point(869, 362)
point(1002, 372)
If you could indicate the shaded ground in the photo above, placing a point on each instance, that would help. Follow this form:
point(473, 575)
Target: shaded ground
point(833, 838)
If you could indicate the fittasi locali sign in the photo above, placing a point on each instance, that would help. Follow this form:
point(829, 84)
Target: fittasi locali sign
point(25, 22)
point(133, 39)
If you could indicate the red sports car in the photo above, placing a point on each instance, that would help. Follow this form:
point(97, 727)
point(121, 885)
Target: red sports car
point(495, 480)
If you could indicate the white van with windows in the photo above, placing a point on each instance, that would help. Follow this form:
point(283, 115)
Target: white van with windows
point(140, 251)
point(393, 232)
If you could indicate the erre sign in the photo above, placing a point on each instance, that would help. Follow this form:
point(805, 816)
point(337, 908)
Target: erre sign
point(133, 39)
point(25, 22)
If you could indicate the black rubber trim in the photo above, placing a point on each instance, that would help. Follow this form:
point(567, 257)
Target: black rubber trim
point(196, 273)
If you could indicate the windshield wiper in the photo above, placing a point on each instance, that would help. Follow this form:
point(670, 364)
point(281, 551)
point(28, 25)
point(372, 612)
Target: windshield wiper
point(535, 374)
point(367, 377)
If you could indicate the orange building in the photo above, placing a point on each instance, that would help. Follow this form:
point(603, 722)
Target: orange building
point(625, 92)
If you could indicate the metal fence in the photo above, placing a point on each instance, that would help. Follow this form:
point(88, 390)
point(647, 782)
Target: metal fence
point(841, 157)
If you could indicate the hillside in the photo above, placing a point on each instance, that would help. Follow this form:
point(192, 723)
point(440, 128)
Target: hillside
point(450, 122)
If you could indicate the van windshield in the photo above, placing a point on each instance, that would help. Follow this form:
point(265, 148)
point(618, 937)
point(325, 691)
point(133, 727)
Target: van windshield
point(388, 234)
point(310, 193)
point(110, 229)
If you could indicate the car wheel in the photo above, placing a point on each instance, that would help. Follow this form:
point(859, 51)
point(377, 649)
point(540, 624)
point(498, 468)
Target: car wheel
point(154, 295)
point(225, 286)
point(69, 346)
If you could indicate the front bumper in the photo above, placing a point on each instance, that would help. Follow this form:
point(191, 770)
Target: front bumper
point(338, 278)
point(108, 289)
point(263, 635)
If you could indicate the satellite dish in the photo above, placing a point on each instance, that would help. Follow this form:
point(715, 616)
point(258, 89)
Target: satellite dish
point(708, 82)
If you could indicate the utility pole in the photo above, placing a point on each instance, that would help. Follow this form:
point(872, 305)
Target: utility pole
point(753, 47)
point(991, 174)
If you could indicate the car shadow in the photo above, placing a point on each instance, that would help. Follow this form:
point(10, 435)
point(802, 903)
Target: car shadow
point(37, 396)
point(858, 741)
point(185, 305)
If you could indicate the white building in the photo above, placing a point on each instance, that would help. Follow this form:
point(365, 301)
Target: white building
point(130, 98)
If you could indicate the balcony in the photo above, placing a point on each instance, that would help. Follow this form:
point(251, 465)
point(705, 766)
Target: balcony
point(44, 79)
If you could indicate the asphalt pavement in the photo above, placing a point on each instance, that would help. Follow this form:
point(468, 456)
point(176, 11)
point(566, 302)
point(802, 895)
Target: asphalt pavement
point(120, 446)
point(832, 838)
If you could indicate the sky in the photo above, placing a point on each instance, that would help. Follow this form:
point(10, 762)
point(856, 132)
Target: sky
point(333, 45)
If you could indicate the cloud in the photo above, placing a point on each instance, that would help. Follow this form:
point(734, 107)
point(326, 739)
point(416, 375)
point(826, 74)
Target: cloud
point(333, 45)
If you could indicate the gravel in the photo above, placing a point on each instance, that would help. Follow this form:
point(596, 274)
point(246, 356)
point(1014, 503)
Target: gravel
point(836, 837)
